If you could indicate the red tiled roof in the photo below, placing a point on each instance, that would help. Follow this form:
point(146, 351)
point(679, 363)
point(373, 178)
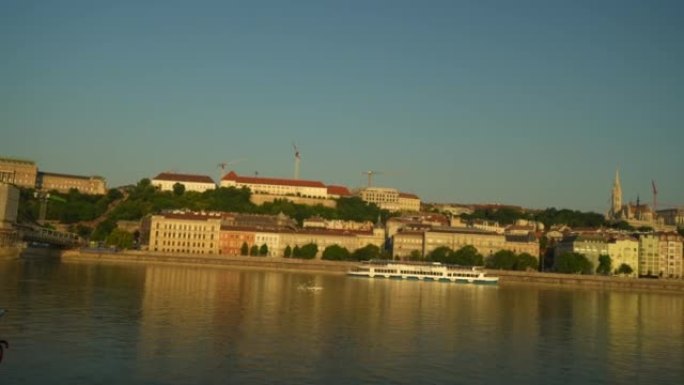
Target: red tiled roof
point(232, 176)
point(184, 178)
point(408, 195)
point(338, 190)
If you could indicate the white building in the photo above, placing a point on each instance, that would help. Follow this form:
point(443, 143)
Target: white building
point(276, 186)
point(200, 183)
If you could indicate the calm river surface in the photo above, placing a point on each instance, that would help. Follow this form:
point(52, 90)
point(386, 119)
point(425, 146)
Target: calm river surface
point(88, 323)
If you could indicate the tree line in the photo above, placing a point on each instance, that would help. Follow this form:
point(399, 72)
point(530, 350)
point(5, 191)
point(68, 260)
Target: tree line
point(144, 199)
point(576, 263)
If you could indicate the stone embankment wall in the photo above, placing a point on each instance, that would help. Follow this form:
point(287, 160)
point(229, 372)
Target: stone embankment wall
point(218, 260)
point(590, 281)
point(260, 199)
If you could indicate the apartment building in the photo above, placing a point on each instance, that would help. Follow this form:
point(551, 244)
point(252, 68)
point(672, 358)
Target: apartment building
point(276, 186)
point(182, 233)
point(624, 249)
point(22, 173)
point(670, 258)
point(93, 185)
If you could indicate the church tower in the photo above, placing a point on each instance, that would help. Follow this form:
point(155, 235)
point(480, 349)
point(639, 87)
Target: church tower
point(616, 196)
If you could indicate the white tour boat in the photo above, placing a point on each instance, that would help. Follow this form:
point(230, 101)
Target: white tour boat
point(427, 271)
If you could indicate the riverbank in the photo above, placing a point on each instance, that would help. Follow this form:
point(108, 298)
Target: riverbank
point(216, 260)
point(505, 277)
point(591, 281)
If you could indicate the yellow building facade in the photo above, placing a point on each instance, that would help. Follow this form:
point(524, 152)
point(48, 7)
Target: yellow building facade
point(183, 233)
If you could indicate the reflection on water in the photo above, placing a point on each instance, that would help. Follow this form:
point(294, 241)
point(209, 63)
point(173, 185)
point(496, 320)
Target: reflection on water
point(99, 323)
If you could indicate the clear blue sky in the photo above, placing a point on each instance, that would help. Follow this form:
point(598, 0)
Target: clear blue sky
point(533, 103)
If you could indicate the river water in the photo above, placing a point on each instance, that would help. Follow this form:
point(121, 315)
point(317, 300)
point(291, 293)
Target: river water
point(88, 323)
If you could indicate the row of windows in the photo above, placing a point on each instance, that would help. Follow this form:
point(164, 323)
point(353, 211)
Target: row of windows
point(186, 251)
point(188, 244)
point(174, 226)
point(184, 235)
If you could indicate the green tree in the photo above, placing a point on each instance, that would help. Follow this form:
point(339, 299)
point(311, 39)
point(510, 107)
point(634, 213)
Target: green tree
point(680, 230)
point(254, 250)
point(467, 256)
point(366, 253)
point(178, 188)
point(288, 252)
point(415, 256)
point(308, 251)
point(121, 239)
point(103, 229)
point(441, 254)
point(572, 263)
point(336, 253)
point(502, 260)
point(624, 269)
point(244, 250)
point(82, 230)
point(605, 265)
point(263, 250)
point(525, 261)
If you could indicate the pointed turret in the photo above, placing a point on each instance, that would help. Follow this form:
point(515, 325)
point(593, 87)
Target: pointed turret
point(616, 196)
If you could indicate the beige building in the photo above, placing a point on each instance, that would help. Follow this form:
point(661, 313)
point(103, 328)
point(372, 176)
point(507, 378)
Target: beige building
point(522, 243)
point(424, 240)
point(406, 242)
point(390, 199)
point(590, 244)
point(22, 173)
point(649, 255)
point(670, 255)
point(93, 185)
point(336, 224)
point(199, 183)
point(408, 202)
point(351, 240)
point(485, 242)
point(624, 249)
point(182, 233)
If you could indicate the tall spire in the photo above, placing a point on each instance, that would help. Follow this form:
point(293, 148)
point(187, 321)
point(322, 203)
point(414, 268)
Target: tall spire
point(616, 196)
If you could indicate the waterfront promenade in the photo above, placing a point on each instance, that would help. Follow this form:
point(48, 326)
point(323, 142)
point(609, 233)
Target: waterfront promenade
point(338, 267)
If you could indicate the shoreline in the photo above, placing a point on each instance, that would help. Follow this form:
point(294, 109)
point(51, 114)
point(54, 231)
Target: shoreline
point(340, 267)
point(309, 265)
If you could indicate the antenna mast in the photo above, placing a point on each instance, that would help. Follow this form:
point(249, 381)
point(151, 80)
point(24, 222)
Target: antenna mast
point(298, 160)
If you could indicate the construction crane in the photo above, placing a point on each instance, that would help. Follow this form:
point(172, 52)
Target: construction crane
point(298, 160)
point(224, 165)
point(370, 174)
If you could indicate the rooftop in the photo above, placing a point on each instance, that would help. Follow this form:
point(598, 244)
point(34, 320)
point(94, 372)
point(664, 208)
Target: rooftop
point(338, 190)
point(232, 176)
point(174, 177)
point(408, 196)
point(59, 175)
